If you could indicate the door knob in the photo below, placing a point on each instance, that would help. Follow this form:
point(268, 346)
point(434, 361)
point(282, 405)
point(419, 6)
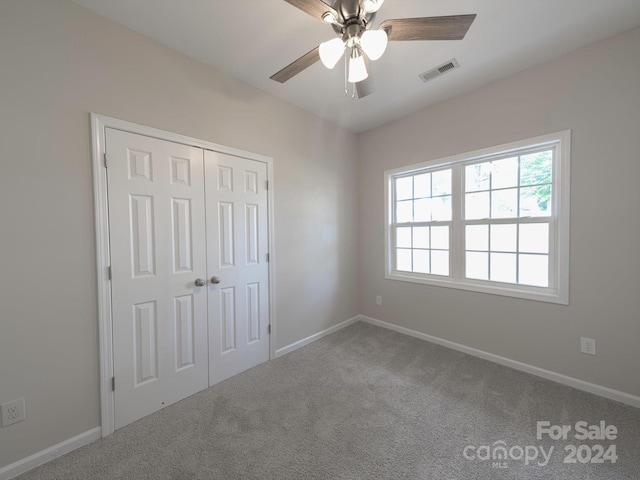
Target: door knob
point(200, 282)
point(215, 280)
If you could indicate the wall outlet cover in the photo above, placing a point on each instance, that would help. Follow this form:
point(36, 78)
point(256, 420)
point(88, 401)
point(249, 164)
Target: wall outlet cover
point(12, 412)
point(588, 346)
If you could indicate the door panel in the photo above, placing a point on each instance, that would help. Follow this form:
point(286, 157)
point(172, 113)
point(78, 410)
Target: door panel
point(237, 240)
point(158, 249)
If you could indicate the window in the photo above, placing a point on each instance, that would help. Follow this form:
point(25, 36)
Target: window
point(494, 221)
point(423, 222)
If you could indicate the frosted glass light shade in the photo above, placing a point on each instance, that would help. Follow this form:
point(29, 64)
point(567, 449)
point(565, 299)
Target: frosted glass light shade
point(372, 6)
point(374, 43)
point(329, 17)
point(357, 69)
point(331, 51)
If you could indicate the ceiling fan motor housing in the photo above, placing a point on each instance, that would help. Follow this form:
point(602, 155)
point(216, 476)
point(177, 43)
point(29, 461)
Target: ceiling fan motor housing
point(349, 8)
point(351, 13)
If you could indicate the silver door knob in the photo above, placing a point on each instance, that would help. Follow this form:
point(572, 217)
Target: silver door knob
point(200, 282)
point(215, 280)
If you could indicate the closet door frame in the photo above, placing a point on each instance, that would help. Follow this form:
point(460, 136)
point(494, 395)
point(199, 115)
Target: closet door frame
point(99, 159)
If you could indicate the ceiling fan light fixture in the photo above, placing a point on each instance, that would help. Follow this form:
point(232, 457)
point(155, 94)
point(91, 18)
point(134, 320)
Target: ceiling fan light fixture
point(357, 68)
point(372, 6)
point(329, 17)
point(331, 51)
point(374, 43)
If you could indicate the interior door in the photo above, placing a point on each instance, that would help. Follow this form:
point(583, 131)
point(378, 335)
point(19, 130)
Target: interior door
point(158, 251)
point(237, 237)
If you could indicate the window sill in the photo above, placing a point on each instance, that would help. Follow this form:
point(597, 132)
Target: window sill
point(546, 295)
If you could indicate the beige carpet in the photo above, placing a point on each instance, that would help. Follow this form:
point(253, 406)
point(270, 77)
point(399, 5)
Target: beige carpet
point(363, 403)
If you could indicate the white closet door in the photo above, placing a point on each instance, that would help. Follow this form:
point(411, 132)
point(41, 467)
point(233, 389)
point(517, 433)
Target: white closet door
point(237, 230)
point(157, 228)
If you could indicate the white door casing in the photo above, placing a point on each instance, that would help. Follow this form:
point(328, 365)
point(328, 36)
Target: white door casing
point(237, 237)
point(157, 238)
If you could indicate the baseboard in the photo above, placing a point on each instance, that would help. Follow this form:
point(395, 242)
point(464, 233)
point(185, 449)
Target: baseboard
point(32, 461)
point(316, 336)
point(606, 392)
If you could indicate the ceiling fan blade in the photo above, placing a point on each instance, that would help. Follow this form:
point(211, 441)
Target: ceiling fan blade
point(315, 8)
point(366, 86)
point(297, 66)
point(453, 27)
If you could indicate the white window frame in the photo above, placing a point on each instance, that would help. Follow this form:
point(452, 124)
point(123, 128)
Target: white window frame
point(558, 290)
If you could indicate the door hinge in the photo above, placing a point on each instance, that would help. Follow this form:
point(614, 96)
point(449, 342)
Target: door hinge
point(267, 257)
point(266, 184)
point(113, 384)
point(110, 272)
point(105, 159)
point(269, 329)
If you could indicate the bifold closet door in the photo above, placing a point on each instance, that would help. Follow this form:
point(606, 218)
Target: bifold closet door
point(237, 230)
point(159, 272)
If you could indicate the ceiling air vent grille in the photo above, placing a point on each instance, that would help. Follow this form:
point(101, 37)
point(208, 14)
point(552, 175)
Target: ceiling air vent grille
point(439, 70)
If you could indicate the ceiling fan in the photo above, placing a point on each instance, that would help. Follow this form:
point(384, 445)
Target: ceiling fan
point(351, 21)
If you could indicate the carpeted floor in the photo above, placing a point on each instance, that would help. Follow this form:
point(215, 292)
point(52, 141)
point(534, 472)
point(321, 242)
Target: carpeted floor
point(364, 403)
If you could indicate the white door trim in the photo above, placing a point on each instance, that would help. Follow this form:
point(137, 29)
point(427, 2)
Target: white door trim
point(98, 125)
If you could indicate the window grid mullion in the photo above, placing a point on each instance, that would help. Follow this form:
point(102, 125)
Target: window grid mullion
point(490, 220)
point(518, 224)
point(430, 218)
point(507, 221)
point(457, 233)
point(489, 250)
point(413, 216)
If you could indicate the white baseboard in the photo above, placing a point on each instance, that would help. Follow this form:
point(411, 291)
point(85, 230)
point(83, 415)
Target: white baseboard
point(606, 392)
point(32, 461)
point(316, 336)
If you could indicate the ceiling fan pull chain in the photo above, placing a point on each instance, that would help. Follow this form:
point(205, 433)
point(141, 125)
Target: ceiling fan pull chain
point(346, 74)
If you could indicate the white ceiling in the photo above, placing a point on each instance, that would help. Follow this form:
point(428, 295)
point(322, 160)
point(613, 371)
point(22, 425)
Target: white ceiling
point(253, 39)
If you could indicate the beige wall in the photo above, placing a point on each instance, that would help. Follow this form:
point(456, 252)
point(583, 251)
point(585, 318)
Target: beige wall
point(59, 62)
point(595, 92)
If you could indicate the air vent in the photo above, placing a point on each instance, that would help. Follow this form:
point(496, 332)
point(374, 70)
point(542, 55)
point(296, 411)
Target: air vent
point(439, 70)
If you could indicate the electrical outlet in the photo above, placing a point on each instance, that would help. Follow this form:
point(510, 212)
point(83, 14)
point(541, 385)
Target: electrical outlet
point(12, 412)
point(378, 299)
point(588, 346)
